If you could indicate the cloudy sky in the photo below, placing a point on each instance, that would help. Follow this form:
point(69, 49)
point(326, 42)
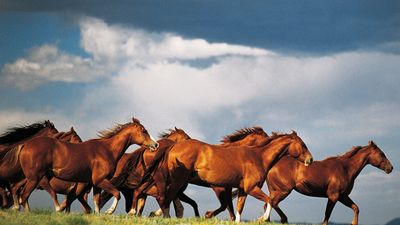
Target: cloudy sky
point(329, 70)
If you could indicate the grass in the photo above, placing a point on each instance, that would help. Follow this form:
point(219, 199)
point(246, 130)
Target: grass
point(47, 217)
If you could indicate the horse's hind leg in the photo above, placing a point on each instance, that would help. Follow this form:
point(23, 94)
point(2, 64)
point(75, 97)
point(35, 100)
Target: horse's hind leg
point(44, 183)
point(183, 197)
point(107, 186)
point(240, 204)
point(346, 200)
point(29, 187)
point(221, 195)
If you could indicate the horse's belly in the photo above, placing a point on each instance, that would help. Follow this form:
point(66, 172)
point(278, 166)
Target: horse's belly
point(219, 178)
point(74, 175)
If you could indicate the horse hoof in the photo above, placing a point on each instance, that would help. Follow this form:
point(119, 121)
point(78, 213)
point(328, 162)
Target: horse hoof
point(109, 212)
point(209, 214)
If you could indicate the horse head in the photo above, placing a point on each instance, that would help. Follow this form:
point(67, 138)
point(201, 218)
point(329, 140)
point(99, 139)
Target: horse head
point(176, 135)
point(378, 159)
point(298, 149)
point(139, 135)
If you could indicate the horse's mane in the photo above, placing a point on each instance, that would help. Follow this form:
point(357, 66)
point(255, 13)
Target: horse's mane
point(166, 134)
point(354, 150)
point(16, 134)
point(108, 133)
point(275, 135)
point(240, 134)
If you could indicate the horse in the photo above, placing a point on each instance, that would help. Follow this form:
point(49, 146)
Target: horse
point(332, 178)
point(10, 169)
point(92, 161)
point(54, 185)
point(244, 167)
point(129, 171)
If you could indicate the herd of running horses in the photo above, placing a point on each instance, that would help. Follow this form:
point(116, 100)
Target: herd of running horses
point(38, 156)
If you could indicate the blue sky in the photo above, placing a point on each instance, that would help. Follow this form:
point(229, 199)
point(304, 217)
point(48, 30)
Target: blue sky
point(329, 70)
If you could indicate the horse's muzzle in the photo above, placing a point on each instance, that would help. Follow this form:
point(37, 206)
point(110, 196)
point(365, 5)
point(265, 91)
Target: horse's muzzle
point(154, 146)
point(388, 169)
point(308, 161)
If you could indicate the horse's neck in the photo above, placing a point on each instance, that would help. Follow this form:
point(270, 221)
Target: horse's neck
point(118, 144)
point(272, 152)
point(356, 163)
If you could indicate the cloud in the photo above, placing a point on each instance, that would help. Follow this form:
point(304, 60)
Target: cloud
point(47, 63)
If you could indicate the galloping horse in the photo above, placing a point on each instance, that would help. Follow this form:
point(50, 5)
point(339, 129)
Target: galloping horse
point(332, 178)
point(55, 185)
point(10, 169)
point(242, 167)
point(92, 161)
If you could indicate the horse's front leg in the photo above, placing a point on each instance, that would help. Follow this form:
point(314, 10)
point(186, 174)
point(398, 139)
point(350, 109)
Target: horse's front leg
point(346, 200)
point(328, 211)
point(44, 183)
point(108, 187)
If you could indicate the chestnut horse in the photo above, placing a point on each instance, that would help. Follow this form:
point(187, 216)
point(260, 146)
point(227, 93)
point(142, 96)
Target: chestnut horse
point(92, 161)
point(129, 172)
point(243, 167)
point(10, 169)
point(54, 185)
point(332, 178)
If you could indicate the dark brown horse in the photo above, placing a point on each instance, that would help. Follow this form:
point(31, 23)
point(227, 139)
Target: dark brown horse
point(243, 167)
point(92, 161)
point(10, 169)
point(332, 178)
point(131, 167)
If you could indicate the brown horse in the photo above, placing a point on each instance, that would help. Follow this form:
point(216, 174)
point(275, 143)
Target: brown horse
point(54, 185)
point(243, 167)
point(332, 178)
point(92, 161)
point(132, 166)
point(10, 169)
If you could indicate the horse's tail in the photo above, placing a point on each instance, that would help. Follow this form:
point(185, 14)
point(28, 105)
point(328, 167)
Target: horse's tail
point(11, 158)
point(119, 180)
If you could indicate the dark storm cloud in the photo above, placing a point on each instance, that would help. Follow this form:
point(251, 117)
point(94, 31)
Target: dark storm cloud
point(305, 26)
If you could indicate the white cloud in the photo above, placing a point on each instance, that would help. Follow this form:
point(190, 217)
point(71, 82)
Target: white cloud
point(48, 64)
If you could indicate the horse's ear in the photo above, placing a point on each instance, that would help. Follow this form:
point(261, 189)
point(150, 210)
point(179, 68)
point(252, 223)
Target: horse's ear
point(135, 120)
point(48, 123)
point(72, 129)
point(371, 143)
point(294, 132)
point(176, 129)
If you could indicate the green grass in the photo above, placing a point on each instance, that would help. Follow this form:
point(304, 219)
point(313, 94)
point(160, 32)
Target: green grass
point(47, 217)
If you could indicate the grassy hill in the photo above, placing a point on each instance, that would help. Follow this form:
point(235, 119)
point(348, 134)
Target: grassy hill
point(46, 217)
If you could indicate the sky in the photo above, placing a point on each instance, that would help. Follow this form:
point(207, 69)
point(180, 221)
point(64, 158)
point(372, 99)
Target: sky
point(329, 70)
